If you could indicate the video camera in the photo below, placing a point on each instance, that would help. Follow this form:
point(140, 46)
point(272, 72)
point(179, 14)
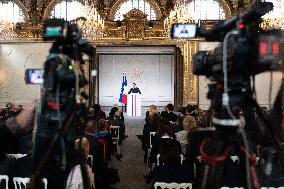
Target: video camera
point(245, 50)
point(59, 113)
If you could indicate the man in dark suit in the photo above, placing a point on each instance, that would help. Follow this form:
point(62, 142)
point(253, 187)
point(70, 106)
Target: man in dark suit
point(171, 115)
point(134, 89)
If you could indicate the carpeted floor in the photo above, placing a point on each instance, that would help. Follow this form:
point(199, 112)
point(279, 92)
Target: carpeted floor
point(132, 167)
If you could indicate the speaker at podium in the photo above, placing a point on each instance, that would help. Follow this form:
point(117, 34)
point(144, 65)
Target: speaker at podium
point(134, 102)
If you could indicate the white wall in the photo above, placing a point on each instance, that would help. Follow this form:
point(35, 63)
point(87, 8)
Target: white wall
point(151, 68)
point(262, 83)
point(15, 58)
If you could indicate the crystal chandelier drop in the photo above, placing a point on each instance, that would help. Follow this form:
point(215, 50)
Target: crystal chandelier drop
point(6, 30)
point(93, 26)
point(274, 19)
point(180, 14)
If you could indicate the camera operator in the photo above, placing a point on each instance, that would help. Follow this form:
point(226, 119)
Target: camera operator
point(14, 127)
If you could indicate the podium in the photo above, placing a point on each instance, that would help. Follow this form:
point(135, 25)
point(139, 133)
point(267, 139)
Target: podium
point(134, 104)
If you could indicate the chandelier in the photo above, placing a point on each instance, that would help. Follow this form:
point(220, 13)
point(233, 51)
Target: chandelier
point(93, 26)
point(180, 14)
point(274, 19)
point(6, 30)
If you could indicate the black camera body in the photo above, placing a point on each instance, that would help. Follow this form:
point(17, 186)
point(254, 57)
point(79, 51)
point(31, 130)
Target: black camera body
point(58, 118)
point(245, 50)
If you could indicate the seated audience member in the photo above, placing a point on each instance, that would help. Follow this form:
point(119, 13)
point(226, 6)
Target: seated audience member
point(104, 135)
point(170, 168)
point(200, 118)
point(75, 179)
point(116, 121)
point(177, 127)
point(164, 113)
point(98, 113)
point(150, 126)
point(163, 136)
point(91, 114)
point(152, 109)
point(189, 121)
point(97, 151)
point(114, 109)
point(182, 111)
point(171, 115)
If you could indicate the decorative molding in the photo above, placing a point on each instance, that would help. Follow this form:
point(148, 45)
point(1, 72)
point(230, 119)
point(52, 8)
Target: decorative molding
point(23, 8)
point(51, 4)
point(118, 3)
point(188, 49)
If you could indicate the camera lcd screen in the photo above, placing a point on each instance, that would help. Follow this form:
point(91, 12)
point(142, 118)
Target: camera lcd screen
point(53, 31)
point(34, 76)
point(184, 31)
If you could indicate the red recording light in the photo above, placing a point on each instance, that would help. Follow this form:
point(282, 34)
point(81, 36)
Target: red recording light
point(262, 48)
point(275, 48)
point(242, 26)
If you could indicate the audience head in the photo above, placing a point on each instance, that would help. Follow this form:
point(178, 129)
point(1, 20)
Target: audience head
point(91, 111)
point(101, 125)
point(153, 109)
point(113, 110)
point(190, 108)
point(134, 85)
point(84, 145)
point(97, 108)
point(164, 128)
point(91, 128)
point(170, 107)
point(117, 114)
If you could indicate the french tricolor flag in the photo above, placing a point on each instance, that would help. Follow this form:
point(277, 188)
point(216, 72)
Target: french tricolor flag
point(123, 93)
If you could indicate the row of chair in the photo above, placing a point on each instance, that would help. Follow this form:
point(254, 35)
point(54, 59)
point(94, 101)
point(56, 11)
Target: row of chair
point(20, 181)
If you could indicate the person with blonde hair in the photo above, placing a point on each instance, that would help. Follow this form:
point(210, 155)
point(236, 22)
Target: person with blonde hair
point(75, 177)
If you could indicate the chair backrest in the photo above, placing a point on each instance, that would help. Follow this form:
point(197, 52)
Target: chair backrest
point(158, 159)
point(19, 181)
point(172, 185)
point(15, 156)
point(6, 178)
point(152, 134)
point(173, 123)
point(114, 130)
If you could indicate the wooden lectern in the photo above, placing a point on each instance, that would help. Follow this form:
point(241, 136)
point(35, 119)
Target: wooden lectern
point(134, 104)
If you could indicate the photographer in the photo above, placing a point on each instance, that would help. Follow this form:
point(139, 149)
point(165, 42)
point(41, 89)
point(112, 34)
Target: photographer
point(14, 127)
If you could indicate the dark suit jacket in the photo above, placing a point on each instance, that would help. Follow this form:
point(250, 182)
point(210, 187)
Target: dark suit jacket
point(134, 90)
point(158, 143)
point(172, 173)
point(172, 117)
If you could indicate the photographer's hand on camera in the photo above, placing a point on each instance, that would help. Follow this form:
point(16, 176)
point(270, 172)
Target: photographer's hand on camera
point(14, 127)
point(23, 122)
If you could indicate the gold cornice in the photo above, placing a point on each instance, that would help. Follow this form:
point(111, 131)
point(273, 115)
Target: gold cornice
point(118, 3)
